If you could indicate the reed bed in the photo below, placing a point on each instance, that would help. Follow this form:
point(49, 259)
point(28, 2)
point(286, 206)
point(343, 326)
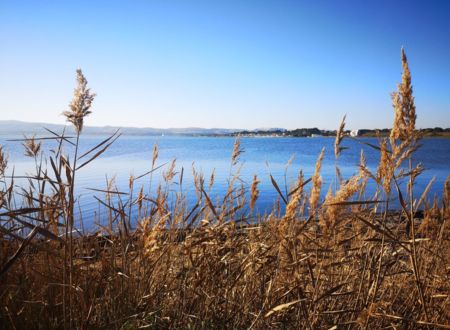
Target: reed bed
point(342, 262)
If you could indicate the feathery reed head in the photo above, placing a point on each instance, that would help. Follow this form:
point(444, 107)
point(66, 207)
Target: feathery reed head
point(316, 185)
point(295, 201)
point(446, 197)
point(3, 161)
point(339, 137)
point(336, 204)
point(254, 192)
point(81, 103)
point(237, 151)
point(212, 178)
point(170, 173)
point(155, 154)
point(403, 103)
point(32, 147)
point(140, 198)
point(386, 170)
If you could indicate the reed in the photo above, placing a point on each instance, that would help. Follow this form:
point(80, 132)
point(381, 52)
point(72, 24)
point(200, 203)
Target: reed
point(343, 262)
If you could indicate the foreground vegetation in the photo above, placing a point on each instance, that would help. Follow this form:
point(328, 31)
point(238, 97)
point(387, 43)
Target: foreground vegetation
point(342, 262)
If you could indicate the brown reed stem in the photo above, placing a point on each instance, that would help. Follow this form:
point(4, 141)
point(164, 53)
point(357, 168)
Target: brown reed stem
point(413, 254)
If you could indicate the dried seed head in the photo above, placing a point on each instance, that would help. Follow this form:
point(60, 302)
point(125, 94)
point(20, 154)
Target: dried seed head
point(334, 209)
point(414, 173)
point(289, 162)
point(81, 103)
point(140, 198)
point(363, 170)
point(110, 183)
point(211, 179)
point(3, 161)
point(385, 171)
point(161, 201)
point(446, 197)
point(339, 175)
point(294, 202)
point(155, 154)
point(291, 207)
point(316, 185)
point(169, 175)
point(254, 192)
point(2, 199)
point(237, 151)
point(339, 137)
point(364, 173)
point(362, 162)
point(131, 182)
point(404, 108)
point(32, 147)
point(199, 181)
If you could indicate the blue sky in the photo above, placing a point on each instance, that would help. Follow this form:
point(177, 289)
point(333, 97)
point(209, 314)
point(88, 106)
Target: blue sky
point(234, 64)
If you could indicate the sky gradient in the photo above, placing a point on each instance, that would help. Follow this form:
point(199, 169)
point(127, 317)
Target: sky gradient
point(230, 64)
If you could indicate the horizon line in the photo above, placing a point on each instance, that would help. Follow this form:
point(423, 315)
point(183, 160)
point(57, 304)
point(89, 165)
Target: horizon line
point(204, 128)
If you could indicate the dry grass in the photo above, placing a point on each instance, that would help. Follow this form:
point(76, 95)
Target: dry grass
point(344, 262)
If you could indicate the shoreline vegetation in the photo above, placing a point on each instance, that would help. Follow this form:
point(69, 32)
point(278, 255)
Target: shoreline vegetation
point(19, 128)
point(346, 261)
point(315, 132)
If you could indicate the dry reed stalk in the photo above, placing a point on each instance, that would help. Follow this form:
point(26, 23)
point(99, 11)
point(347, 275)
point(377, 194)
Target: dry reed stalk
point(32, 147)
point(237, 151)
point(254, 192)
point(364, 173)
point(295, 201)
point(78, 109)
point(385, 172)
point(170, 173)
point(211, 179)
point(446, 198)
point(291, 207)
point(336, 205)
point(3, 161)
point(340, 134)
point(339, 176)
point(155, 155)
point(140, 198)
point(316, 185)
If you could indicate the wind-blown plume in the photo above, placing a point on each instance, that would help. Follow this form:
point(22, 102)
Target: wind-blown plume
point(339, 137)
point(3, 161)
point(403, 103)
point(32, 147)
point(237, 151)
point(316, 185)
point(81, 103)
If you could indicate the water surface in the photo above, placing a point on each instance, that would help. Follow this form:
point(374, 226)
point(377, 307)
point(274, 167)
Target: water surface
point(132, 155)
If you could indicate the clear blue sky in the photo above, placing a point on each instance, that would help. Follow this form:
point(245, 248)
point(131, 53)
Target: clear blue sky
point(234, 64)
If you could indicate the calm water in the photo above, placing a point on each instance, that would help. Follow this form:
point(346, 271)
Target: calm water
point(131, 155)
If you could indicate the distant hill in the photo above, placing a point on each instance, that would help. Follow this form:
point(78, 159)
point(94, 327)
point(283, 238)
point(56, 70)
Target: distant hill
point(18, 128)
point(15, 127)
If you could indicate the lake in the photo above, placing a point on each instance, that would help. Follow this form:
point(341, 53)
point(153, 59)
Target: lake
point(132, 155)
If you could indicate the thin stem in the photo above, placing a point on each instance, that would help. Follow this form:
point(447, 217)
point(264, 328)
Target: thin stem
point(413, 255)
point(71, 222)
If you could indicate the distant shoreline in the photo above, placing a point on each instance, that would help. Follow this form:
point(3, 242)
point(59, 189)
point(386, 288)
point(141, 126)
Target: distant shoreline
point(19, 128)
